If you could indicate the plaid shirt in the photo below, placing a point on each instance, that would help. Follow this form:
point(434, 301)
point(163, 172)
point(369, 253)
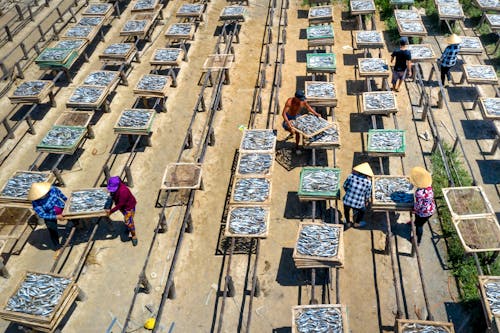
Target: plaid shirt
point(44, 207)
point(358, 189)
point(449, 57)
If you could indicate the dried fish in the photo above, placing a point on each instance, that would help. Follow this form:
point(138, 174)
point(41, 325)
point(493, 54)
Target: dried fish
point(118, 49)
point(251, 190)
point(373, 65)
point(481, 72)
point(421, 52)
point(402, 2)
point(144, 4)
point(310, 124)
point(190, 8)
point(362, 5)
point(135, 26)
point(492, 290)
point(258, 140)
point(248, 220)
point(319, 320)
point(152, 82)
point(320, 31)
point(254, 163)
point(97, 8)
point(38, 294)
point(402, 14)
point(319, 240)
point(330, 135)
point(86, 94)
point(489, 3)
point(471, 43)
point(53, 54)
point(62, 136)
point(324, 60)
point(423, 328)
point(444, 2)
point(450, 10)
point(325, 11)
point(101, 78)
point(492, 106)
point(166, 54)
point(91, 21)
point(393, 189)
point(79, 31)
point(135, 118)
point(30, 88)
point(369, 37)
point(90, 200)
point(320, 90)
point(411, 26)
point(180, 29)
point(319, 180)
point(233, 11)
point(380, 140)
point(70, 44)
point(380, 101)
point(19, 185)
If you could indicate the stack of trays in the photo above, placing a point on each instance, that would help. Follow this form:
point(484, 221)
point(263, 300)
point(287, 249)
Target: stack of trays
point(135, 122)
point(392, 193)
point(321, 93)
point(320, 35)
point(52, 57)
point(319, 245)
point(35, 91)
point(317, 183)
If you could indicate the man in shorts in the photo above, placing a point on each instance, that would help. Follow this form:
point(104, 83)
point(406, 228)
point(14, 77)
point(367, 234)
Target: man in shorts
point(402, 65)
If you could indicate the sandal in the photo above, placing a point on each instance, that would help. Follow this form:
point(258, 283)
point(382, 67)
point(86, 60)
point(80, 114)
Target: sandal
point(134, 241)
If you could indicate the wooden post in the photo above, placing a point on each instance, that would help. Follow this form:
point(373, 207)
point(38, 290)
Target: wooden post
point(31, 129)
point(257, 288)
point(149, 142)
point(9, 33)
point(231, 291)
point(171, 291)
point(145, 285)
point(52, 99)
point(58, 176)
point(128, 174)
point(82, 296)
point(163, 224)
point(8, 128)
point(19, 12)
point(106, 171)
point(189, 141)
point(90, 132)
point(211, 137)
point(20, 73)
point(3, 270)
point(189, 224)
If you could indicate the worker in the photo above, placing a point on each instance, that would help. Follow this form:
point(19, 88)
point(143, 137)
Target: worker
point(292, 110)
point(449, 57)
point(48, 203)
point(424, 206)
point(125, 202)
point(358, 189)
point(402, 65)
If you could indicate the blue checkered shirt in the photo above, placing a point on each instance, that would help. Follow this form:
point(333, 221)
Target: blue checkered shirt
point(449, 57)
point(44, 207)
point(358, 189)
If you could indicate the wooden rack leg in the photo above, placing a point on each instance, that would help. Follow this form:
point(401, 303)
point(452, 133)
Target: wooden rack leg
point(163, 227)
point(189, 141)
point(172, 294)
point(106, 171)
point(231, 291)
point(52, 99)
point(90, 132)
point(58, 176)
point(145, 285)
point(3, 270)
point(189, 224)
point(128, 174)
point(149, 141)
point(31, 129)
point(211, 138)
point(8, 128)
point(257, 288)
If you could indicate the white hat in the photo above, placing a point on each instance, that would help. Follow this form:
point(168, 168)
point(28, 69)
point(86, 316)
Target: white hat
point(38, 190)
point(364, 168)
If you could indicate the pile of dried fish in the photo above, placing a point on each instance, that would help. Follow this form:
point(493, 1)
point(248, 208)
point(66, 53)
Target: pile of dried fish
point(368, 37)
point(88, 200)
point(53, 54)
point(326, 60)
point(325, 11)
point(97, 8)
point(316, 180)
point(144, 4)
point(166, 54)
point(411, 26)
point(152, 82)
point(319, 240)
point(421, 51)
point(385, 140)
point(101, 78)
point(422, 328)
point(330, 135)
point(362, 5)
point(70, 44)
point(181, 29)
point(251, 190)
point(494, 19)
point(393, 189)
point(248, 221)
point(480, 72)
point(310, 124)
point(373, 65)
point(91, 21)
point(233, 11)
point(492, 106)
point(489, 3)
point(470, 43)
point(19, 185)
point(450, 10)
point(447, 2)
point(264, 140)
point(190, 8)
point(38, 294)
point(62, 136)
point(30, 88)
point(320, 31)
point(492, 290)
point(402, 14)
point(86, 94)
point(118, 49)
point(320, 90)
point(135, 118)
point(254, 163)
point(379, 101)
point(135, 26)
point(320, 320)
point(79, 31)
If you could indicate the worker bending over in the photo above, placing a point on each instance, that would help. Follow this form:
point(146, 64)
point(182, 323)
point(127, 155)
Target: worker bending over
point(125, 202)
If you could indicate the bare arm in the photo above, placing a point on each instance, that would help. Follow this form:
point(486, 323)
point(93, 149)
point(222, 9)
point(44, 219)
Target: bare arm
point(408, 64)
point(311, 110)
point(284, 114)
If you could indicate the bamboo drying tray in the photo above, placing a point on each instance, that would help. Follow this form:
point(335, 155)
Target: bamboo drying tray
point(318, 195)
point(296, 311)
point(383, 111)
point(145, 130)
point(176, 62)
point(69, 150)
point(383, 74)
point(23, 202)
point(89, 105)
point(13, 222)
point(386, 152)
point(252, 175)
point(311, 143)
point(267, 201)
point(228, 232)
point(188, 36)
point(485, 112)
point(180, 176)
point(483, 279)
point(385, 206)
point(153, 93)
point(401, 322)
point(478, 233)
point(493, 80)
point(467, 201)
point(38, 98)
point(320, 19)
point(84, 215)
point(411, 33)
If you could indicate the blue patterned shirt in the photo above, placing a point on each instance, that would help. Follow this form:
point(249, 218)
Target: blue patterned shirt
point(450, 54)
point(44, 207)
point(358, 189)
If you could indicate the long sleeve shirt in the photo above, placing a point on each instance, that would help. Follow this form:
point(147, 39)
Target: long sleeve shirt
point(45, 207)
point(449, 56)
point(124, 199)
point(424, 205)
point(358, 189)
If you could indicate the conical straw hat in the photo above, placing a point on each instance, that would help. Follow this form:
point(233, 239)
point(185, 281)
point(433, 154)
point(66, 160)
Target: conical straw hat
point(364, 168)
point(38, 190)
point(453, 39)
point(420, 177)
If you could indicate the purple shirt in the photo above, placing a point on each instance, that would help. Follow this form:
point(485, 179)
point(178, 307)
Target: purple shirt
point(124, 199)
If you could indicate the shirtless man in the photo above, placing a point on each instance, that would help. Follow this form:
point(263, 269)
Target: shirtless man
point(292, 110)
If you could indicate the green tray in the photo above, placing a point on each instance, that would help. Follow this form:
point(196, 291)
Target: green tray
point(54, 64)
point(307, 170)
point(332, 35)
point(134, 129)
point(76, 142)
point(322, 55)
point(401, 150)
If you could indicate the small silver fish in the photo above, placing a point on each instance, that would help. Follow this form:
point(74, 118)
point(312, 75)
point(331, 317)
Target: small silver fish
point(471, 43)
point(494, 19)
point(91, 200)
point(421, 51)
point(86, 94)
point(358, 5)
point(233, 11)
point(251, 190)
point(450, 10)
point(30, 88)
point(320, 31)
point(79, 31)
point(319, 180)
point(321, 90)
point(393, 190)
point(255, 163)
point(181, 29)
point(91, 21)
point(411, 26)
point(321, 60)
point(19, 185)
point(144, 4)
point(322, 11)
point(135, 118)
point(402, 14)
point(310, 124)
point(70, 44)
point(190, 8)
point(380, 101)
point(319, 240)
point(380, 140)
point(118, 49)
point(152, 82)
point(423, 328)
point(369, 37)
point(62, 136)
point(98, 8)
point(481, 72)
point(329, 136)
point(492, 290)
point(492, 106)
point(170, 54)
point(264, 140)
point(101, 78)
point(373, 65)
point(248, 220)
point(53, 54)
point(135, 25)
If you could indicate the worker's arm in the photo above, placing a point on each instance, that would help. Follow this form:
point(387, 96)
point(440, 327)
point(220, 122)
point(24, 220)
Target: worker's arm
point(42, 212)
point(285, 117)
point(310, 109)
point(60, 194)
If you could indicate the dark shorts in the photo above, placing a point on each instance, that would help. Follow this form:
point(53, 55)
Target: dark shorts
point(398, 75)
point(285, 125)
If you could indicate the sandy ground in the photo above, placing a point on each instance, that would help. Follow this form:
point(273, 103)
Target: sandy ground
point(366, 282)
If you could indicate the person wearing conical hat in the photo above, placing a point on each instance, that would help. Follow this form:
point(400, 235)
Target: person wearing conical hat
point(449, 57)
point(424, 206)
point(358, 189)
point(48, 203)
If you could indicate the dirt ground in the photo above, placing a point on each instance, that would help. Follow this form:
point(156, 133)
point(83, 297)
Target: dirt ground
point(366, 280)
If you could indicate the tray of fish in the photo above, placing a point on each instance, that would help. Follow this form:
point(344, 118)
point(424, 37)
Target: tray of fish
point(318, 183)
point(87, 95)
point(258, 140)
point(421, 52)
point(489, 4)
point(328, 138)
point(50, 54)
point(423, 326)
point(71, 44)
point(362, 6)
point(118, 49)
point(369, 38)
point(80, 31)
point(233, 12)
point(450, 11)
point(321, 12)
point(255, 164)
point(467, 201)
point(190, 8)
point(98, 9)
point(485, 73)
point(92, 202)
point(135, 120)
point(182, 176)
point(62, 137)
point(490, 107)
point(248, 221)
point(386, 141)
point(446, 2)
point(379, 102)
point(18, 186)
point(169, 56)
point(156, 84)
point(144, 5)
point(310, 125)
point(411, 28)
point(102, 78)
point(318, 240)
point(392, 191)
point(493, 20)
point(490, 294)
point(317, 90)
point(407, 14)
point(373, 66)
point(402, 2)
point(91, 21)
point(180, 29)
point(135, 26)
point(324, 62)
point(251, 190)
point(478, 234)
point(320, 32)
point(32, 88)
point(471, 45)
point(325, 318)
